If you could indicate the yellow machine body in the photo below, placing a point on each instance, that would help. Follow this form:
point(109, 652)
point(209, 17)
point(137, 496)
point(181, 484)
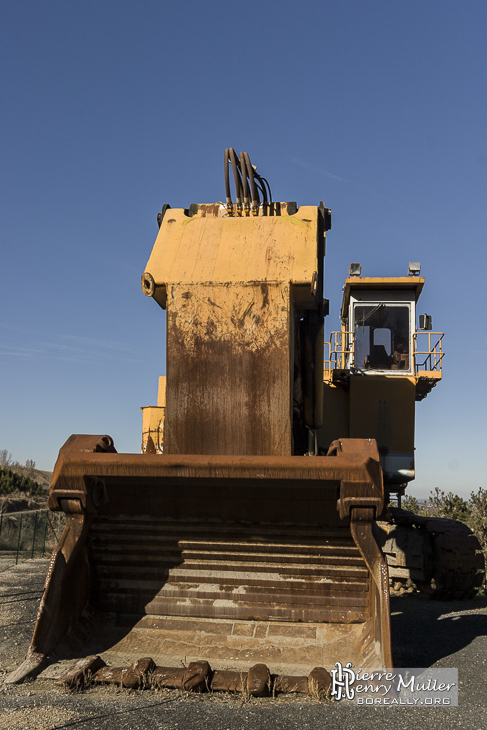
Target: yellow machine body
point(231, 540)
point(378, 367)
point(235, 290)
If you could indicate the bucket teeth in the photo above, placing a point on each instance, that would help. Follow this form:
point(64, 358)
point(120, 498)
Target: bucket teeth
point(76, 676)
point(196, 677)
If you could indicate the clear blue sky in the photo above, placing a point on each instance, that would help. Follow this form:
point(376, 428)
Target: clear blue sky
point(112, 108)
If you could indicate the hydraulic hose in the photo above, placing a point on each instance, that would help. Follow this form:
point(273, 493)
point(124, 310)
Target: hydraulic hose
point(245, 182)
point(228, 195)
point(248, 183)
point(237, 179)
point(253, 186)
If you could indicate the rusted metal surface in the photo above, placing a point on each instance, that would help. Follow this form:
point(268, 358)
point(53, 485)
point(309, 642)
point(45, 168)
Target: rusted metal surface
point(229, 681)
point(361, 528)
point(258, 681)
point(290, 685)
point(236, 559)
point(168, 677)
point(136, 676)
point(81, 672)
point(109, 675)
point(196, 677)
point(229, 373)
point(319, 682)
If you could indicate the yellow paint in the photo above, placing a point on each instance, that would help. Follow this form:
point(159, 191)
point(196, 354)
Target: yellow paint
point(227, 250)
point(376, 283)
point(153, 422)
point(380, 407)
point(233, 288)
point(161, 394)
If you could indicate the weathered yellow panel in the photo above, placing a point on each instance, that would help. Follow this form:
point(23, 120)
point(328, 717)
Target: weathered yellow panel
point(233, 288)
point(161, 393)
point(152, 429)
point(200, 249)
point(153, 422)
point(382, 407)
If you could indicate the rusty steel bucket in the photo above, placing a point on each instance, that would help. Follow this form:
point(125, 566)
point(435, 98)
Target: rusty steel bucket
point(233, 560)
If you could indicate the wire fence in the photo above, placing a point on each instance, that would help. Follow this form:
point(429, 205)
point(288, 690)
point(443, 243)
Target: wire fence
point(27, 535)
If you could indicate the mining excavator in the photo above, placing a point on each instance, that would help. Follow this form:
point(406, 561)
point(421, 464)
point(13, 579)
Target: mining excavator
point(242, 549)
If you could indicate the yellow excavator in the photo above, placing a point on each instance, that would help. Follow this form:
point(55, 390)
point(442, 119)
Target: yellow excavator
point(241, 549)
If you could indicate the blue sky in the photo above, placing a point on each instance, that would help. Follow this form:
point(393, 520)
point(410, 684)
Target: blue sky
point(110, 109)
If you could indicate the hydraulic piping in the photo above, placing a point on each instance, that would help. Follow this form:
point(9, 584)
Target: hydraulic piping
point(248, 182)
point(245, 184)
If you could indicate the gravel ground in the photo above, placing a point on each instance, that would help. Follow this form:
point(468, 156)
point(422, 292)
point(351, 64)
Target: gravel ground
point(425, 633)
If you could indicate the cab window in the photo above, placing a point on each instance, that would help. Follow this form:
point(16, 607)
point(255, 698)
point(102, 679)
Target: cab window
point(381, 336)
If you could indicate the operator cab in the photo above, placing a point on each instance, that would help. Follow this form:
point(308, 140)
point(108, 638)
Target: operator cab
point(378, 315)
point(378, 366)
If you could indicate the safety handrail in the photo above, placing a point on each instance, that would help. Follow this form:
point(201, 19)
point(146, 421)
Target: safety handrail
point(432, 354)
point(340, 353)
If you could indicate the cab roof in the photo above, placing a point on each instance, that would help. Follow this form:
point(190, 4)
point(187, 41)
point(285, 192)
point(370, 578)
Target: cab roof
point(352, 283)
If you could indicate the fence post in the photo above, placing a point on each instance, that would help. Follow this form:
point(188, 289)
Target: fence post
point(18, 541)
point(34, 536)
point(46, 513)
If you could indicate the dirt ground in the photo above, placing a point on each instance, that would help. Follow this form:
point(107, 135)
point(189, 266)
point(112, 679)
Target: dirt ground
point(425, 633)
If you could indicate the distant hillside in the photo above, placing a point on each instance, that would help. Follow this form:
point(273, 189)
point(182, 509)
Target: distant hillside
point(23, 488)
point(43, 478)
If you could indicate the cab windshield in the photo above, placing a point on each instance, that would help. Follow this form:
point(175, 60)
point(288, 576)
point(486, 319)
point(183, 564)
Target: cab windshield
point(382, 336)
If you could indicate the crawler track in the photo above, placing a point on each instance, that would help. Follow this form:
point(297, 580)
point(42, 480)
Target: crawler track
point(450, 565)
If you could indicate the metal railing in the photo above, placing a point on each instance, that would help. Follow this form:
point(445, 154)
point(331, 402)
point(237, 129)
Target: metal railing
point(427, 352)
point(430, 357)
point(339, 352)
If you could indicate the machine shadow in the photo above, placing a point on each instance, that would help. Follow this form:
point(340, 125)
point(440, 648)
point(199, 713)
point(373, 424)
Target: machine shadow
point(425, 631)
point(133, 587)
